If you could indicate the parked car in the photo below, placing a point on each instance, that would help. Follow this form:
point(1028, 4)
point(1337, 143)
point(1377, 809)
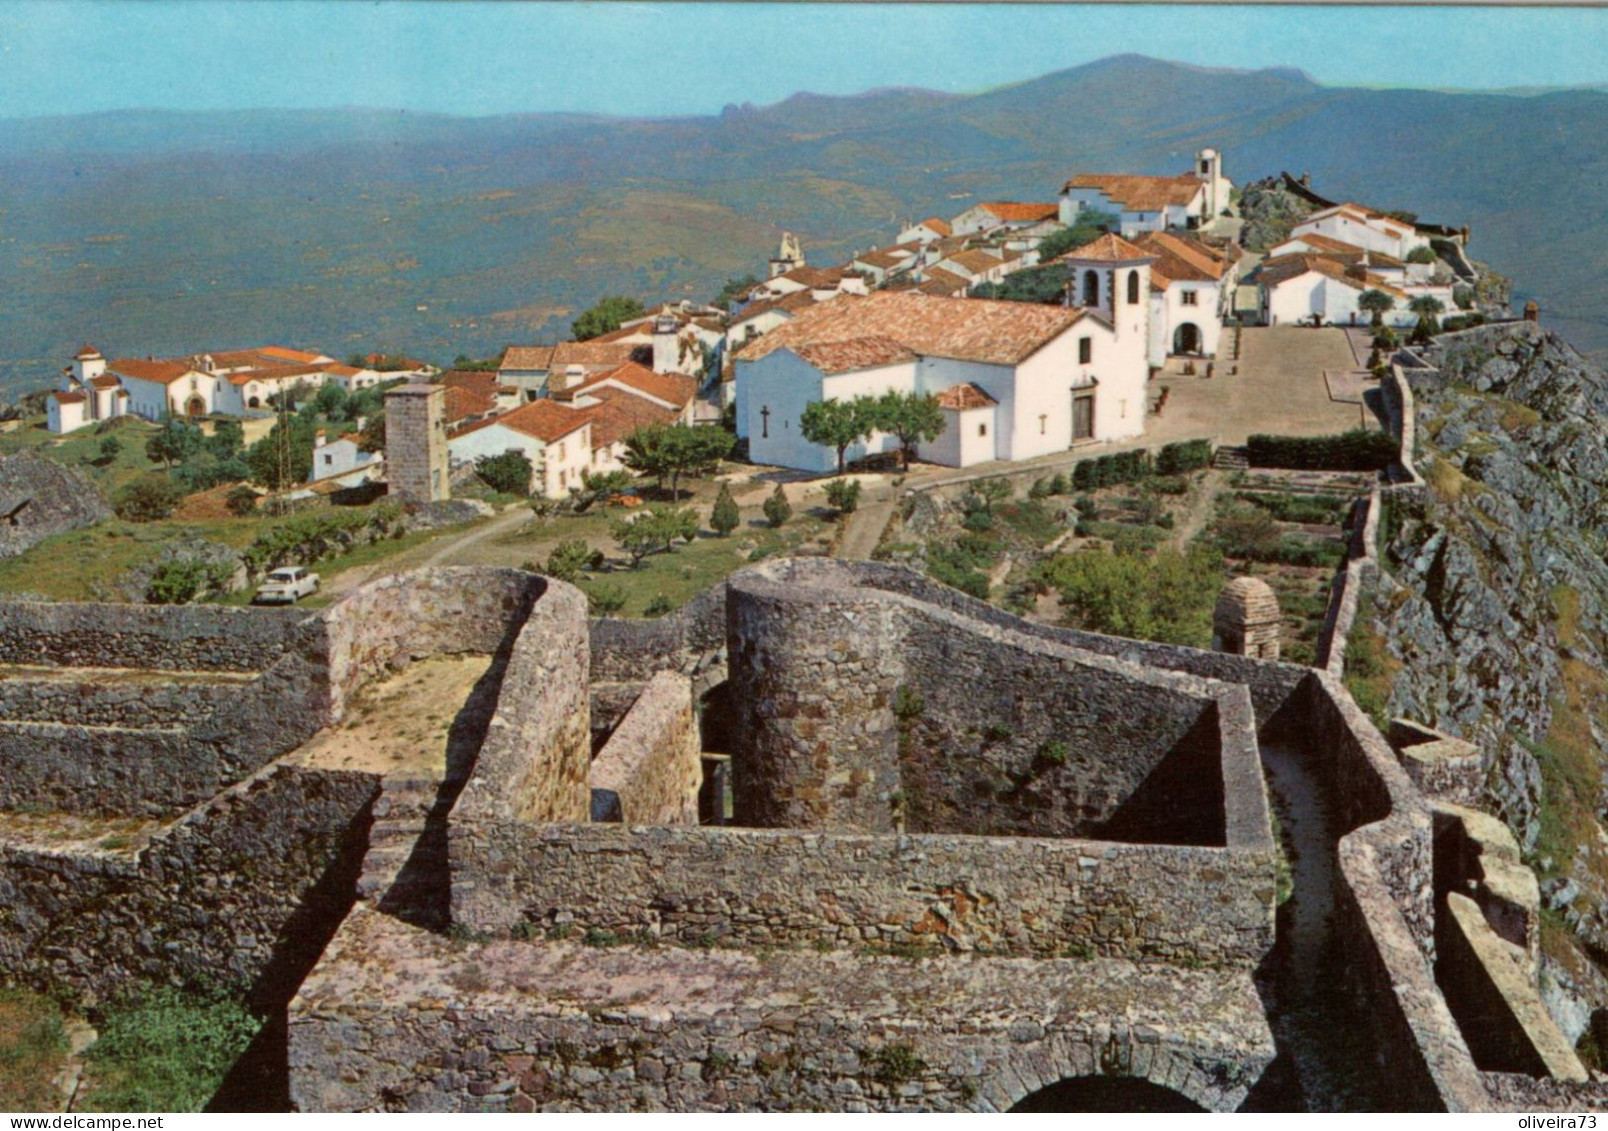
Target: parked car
point(286, 586)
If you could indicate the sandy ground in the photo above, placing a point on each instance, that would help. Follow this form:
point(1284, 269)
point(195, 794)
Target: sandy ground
point(401, 723)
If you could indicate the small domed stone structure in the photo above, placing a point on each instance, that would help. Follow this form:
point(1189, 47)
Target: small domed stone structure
point(1246, 619)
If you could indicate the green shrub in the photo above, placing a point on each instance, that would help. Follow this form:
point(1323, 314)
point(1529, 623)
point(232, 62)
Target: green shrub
point(1040, 489)
point(777, 509)
point(659, 606)
point(843, 495)
point(570, 558)
point(241, 501)
point(605, 600)
point(165, 1051)
point(151, 497)
point(1184, 455)
point(1166, 597)
point(1059, 484)
point(509, 472)
point(1357, 450)
point(183, 581)
point(724, 517)
point(1327, 509)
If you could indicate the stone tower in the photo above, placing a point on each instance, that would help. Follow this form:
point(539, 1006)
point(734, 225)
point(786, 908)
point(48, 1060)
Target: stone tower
point(416, 443)
point(1246, 619)
point(1209, 171)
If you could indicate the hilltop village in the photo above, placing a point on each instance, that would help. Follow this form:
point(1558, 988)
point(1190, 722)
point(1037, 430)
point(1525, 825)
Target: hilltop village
point(945, 680)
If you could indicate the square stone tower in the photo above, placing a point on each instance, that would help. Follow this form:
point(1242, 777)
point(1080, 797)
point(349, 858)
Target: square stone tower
point(416, 443)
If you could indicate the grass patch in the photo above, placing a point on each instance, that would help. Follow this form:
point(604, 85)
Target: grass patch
point(81, 450)
point(33, 1049)
point(1449, 482)
point(165, 1051)
point(1570, 773)
point(1370, 669)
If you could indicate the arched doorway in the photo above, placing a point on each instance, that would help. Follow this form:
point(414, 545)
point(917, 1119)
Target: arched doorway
point(195, 406)
point(1091, 288)
point(1186, 339)
point(1103, 1094)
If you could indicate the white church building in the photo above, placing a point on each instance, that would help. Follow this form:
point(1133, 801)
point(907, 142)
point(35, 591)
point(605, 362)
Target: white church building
point(1152, 204)
point(1014, 380)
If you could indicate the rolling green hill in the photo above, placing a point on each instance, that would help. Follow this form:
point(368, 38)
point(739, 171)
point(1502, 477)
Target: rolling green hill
point(158, 232)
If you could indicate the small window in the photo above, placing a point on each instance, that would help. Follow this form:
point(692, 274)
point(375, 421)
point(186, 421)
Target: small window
point(982, 429)
point(1133, 287)
point(1190, 298)
point(1044, 423)
point(561, 451)
point(329, 461)
point(1085, 350)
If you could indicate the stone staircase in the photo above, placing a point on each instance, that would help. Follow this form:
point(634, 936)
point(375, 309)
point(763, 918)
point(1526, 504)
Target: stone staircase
point(405, 871)
point(1231, 459)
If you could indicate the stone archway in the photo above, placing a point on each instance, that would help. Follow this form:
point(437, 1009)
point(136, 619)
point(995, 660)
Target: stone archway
point(195, 406)
point(1106, 1093)
point(1187, 339)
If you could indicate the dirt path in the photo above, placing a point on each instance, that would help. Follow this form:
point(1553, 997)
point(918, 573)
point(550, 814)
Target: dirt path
point(1201, 503)
point(867, 523)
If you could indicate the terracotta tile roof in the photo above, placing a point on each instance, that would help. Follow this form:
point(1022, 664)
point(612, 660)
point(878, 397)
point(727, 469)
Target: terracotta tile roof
point(1363, 213)
point(943, 281)
point(86, 352)
point(1139, 194)
point(1109, 248)
point(341, 370)
point(854, 353)
point(819, 278)
point(886, 257)
point(381, 358)
point(284, 353)
point(147, 369)
point(480, 381)
point(1180, 258)
point(998, 333)
point(787, 304)
point(527, 357)
point(977, 261)
point(544, 420)
point(1282, 268)
point(673, 388)
point(591, 352)
point(1016, 212)
point(963, 397)
point(933, 224)
point(619, 414)
point(273, 373)
point(104, 381)
point(69, 398)
point(1341, 249)
point(463, 403)
point(639, 333)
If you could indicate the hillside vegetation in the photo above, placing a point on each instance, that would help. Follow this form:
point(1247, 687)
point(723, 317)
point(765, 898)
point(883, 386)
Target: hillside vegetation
point(150, 232)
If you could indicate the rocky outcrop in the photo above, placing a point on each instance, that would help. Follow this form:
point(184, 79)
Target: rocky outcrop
point(1270, 210)
point(1494, 598)
point(40, 498)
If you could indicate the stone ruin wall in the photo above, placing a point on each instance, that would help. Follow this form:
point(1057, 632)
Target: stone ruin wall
point(221, 897)
point(869, 709)
point(508, 1026)
point(650, 769)
point(534, 762)
point(726, 887)
point(190, 638)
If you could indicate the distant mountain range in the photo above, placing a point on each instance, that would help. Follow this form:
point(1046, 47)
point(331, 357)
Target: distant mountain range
point(157, 232)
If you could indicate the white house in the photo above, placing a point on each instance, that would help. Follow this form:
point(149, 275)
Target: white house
point(672, 392)
point(980, 265)
point(996, 214)
point(822, 282)
point(1191, 293)
point(1037, 379)
point(85, 394)
point(526, 368)
point(926, 231)
point(1151, 204)
point(1365, 228)
point(1295, 288)
point(344, 461)
point(759, 318)
point(883, 263)
point(555, 438)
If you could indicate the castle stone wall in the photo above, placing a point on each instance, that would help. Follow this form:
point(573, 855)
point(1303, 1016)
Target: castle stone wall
point(93, 700)
point(241, 890)
point(650, 770)
point(149, 637)
point(510, 1026)
point(534, 761)
point(105, 770)
point(756, 888)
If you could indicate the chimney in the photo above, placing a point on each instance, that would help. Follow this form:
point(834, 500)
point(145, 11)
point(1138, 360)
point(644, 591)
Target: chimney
point(1306, 180)
point(319, 439)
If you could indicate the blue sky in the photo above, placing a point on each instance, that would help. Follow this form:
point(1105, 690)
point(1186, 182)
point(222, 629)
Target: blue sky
point(73, 56)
